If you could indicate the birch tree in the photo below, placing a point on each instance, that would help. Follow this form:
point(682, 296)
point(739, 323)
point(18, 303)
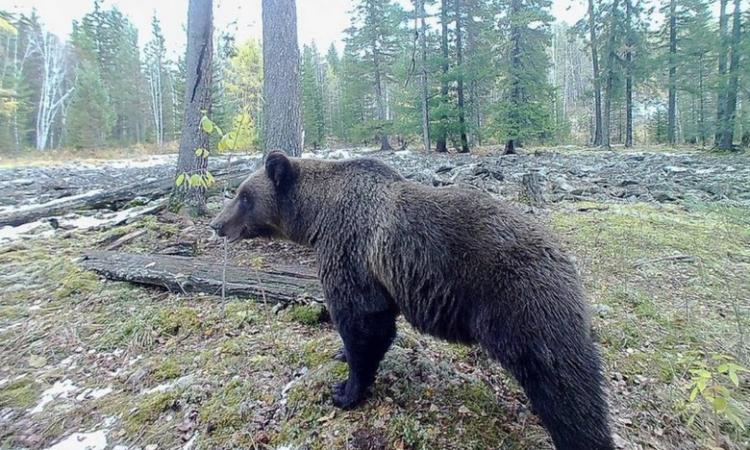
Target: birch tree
point(53, 90)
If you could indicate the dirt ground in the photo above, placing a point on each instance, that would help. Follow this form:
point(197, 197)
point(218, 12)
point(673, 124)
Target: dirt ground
point(90, 362)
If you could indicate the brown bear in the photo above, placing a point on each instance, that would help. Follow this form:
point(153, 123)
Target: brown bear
point(457, 263)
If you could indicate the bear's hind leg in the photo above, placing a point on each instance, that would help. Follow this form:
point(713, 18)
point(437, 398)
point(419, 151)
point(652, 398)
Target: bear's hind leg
point(562, 379)
point(367, 338)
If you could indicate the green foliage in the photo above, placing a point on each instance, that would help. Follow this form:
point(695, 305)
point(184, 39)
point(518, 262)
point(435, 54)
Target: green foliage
point(313, 110)
point(91, 116)
point(525, 112)
point(711, 388)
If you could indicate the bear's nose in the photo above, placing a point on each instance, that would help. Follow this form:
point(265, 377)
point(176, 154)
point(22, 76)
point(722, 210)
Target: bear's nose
point(217, 227)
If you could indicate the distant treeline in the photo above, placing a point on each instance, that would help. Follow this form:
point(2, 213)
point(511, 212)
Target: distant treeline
point(448, 73)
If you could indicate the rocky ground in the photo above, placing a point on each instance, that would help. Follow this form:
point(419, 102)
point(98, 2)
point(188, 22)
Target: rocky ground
point(566, 174)
point(662, 241)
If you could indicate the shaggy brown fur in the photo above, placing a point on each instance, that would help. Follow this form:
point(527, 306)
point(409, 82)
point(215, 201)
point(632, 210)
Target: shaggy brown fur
point(456, 263)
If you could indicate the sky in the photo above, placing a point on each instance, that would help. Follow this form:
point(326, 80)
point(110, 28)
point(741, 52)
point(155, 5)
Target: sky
point(322, 21)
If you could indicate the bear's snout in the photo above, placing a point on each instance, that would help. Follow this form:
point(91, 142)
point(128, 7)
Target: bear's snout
point(218, 227)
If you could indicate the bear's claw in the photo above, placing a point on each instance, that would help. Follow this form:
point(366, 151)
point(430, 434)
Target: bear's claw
point(343, 399)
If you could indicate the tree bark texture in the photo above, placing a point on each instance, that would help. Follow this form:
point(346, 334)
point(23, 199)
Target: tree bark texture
point(183, 274)
point(460, 61)
point(441, 145)
point(611, 60)
point(730, 110)
point(723, 50)
point(282, 117)
point(629, 75)
point(420, 13)
point(197, 103)
point(672, 106)
point(597, 140)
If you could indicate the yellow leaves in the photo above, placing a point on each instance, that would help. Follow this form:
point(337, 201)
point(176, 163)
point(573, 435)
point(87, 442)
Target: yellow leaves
point(7, 27)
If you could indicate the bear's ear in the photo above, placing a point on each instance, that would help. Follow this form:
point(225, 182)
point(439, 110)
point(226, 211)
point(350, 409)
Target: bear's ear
point(279, 169)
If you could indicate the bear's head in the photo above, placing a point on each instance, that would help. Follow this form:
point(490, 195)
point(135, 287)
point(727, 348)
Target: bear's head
point(254, 211)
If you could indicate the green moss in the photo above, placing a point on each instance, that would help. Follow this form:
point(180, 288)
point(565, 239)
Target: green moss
point(306, 314)
point(150, 409)
point(407, 429)
point(76, 281)
point(168, 368)
point(235, 346)
point(227, 410)
point(240, 314)
point(21, 393)
point(171, 321)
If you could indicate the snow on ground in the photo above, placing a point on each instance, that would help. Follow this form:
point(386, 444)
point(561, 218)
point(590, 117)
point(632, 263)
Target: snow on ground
point(60, 389)
point(96, 440)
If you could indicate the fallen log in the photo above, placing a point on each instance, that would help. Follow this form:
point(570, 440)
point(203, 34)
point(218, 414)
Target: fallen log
point(115, 198)
point(183, 274)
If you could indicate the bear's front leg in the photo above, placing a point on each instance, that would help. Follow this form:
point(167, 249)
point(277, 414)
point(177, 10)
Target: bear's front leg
point(367, 337)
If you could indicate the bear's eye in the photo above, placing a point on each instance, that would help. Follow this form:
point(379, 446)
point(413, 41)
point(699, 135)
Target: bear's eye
point(245, 198)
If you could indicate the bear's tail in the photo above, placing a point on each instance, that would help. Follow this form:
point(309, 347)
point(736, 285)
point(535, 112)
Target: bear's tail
point(562, 378)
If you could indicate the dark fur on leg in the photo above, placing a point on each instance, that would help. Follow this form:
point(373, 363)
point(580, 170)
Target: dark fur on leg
point(367, 338)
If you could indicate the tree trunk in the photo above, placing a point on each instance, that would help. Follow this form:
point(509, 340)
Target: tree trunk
point(730, 111)
point(474, 131)
point(379, 95)
point(441, 143)
point(282, 122)
point(597, 81)
point(701, 102)
point(672, 107)
point(420, 13)
point(460, 61)
point(192, 193)
point(723, 50)
point(611, 59)
point(629, 76)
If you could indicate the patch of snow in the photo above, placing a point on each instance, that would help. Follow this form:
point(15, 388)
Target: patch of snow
point(59, 389)
point(182, 381)
point(286, 447)
point(339, 154)
point(10, 327)
point(4, 380)
point(96, 440)
point(308, 155)
point(151, 161)
point(93, 394)
point(9, 233)
point(191, 443)
point(55, 201)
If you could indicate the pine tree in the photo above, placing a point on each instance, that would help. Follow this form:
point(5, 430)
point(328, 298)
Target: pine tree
point(525, 114)
point(377, 33)
point(90, 116)
point(313, 111)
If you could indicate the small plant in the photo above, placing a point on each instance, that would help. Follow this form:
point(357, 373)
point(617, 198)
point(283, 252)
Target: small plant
point(240, 135)
point(711, 386)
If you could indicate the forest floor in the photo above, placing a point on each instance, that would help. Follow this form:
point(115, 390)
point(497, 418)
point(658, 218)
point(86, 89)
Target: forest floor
point(662, 241)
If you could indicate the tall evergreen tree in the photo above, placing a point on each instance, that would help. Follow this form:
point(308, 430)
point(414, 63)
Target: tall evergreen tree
point(376, 33)
point(313, 112)
point(525, 113)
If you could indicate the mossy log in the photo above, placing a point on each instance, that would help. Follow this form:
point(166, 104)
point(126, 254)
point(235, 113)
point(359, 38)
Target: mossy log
point(194, 275)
